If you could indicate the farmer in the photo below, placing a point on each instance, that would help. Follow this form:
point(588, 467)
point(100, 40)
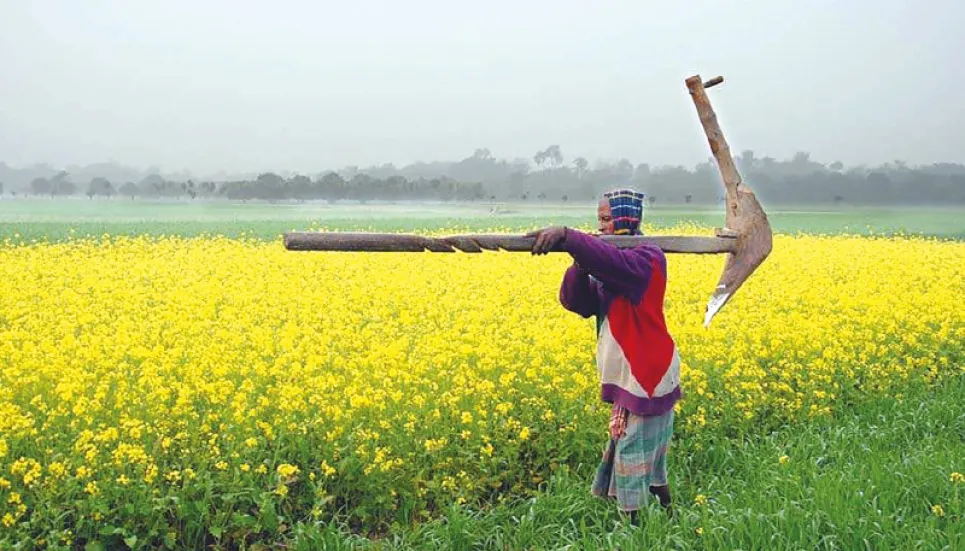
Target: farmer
point(637, 359)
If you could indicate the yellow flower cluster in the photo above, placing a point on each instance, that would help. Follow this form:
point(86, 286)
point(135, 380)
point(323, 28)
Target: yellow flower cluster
point(138, 365)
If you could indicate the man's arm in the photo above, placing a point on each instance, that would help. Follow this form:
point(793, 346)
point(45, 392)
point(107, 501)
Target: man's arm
point(623, 271)
point(577, 292)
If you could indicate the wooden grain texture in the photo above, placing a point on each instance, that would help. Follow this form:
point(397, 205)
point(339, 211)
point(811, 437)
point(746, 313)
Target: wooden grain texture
point(394, 242)
point(745, 217)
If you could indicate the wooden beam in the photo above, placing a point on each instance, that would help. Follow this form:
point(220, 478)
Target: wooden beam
point(392, 242)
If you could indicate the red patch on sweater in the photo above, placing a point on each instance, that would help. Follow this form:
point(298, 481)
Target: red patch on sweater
point(641, 332)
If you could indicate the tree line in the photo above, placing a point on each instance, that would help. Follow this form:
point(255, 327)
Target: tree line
point(267, 186)
point(482, 177)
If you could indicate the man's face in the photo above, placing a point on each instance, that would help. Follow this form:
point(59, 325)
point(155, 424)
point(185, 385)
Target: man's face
point(605, 217)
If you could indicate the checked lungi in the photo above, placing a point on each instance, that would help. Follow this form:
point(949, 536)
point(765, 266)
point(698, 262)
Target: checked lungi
point(635, 461)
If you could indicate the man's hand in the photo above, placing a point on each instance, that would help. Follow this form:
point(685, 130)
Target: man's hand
point(618, 422)
point(547, 239)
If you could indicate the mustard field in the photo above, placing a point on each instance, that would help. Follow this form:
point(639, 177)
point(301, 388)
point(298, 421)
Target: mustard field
point(171, 391)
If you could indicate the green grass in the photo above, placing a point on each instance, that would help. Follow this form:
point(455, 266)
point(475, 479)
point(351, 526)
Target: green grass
point(54, 220)
point(865, 479)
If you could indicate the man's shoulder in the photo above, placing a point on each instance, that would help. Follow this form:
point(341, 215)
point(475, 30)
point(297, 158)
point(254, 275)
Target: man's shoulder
point(649, 250)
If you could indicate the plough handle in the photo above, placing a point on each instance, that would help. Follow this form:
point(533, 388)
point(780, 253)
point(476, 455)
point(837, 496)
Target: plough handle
point(744, 218)
point(713, 82)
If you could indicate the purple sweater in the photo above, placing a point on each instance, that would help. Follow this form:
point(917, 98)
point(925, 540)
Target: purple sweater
point(637, 359)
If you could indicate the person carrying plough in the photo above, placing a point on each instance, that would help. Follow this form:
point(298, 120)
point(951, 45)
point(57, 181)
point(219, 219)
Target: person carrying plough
point(637, 359)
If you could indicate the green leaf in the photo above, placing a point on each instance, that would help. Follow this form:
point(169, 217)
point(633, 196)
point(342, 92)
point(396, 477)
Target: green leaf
point(242, 520)
point(94, 545)
point(216, 531)
point(131, 541)
point(267, 515)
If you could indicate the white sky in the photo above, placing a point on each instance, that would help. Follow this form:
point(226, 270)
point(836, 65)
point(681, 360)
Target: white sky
point(288, 85)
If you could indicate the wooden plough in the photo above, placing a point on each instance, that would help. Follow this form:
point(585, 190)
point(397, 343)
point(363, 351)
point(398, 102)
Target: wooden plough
point(746, 237)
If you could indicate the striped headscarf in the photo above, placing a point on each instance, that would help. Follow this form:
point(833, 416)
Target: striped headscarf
point(626, 207)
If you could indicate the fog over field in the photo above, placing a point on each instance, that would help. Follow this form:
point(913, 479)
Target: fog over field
point(849, 101)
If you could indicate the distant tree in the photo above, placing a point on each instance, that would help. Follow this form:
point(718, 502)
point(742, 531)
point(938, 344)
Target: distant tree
point(802, 164)
point(269, 179)
point(189, 188)
point(129, 189)
point(624, 169)
point(539, 158)
point(482, 153)
point(642, 172)
point(40, 186)
point(61, 184)
point(580, 164)
point(99, 186)
point(361, 187)
point(332, 187)
point(553, 154)
point(152, 185)
point(301, 187)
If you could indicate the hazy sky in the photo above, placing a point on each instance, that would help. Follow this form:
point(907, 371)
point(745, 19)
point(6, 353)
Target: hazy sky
point(210, 84)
